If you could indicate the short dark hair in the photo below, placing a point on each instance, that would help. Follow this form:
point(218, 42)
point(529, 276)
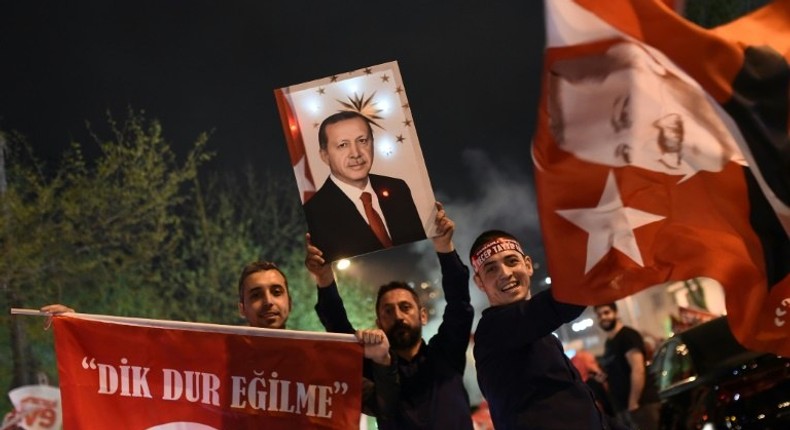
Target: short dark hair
point(488, 236)
point(255, 267)
point(612, 305)
point(344, 115)
point(396, 285)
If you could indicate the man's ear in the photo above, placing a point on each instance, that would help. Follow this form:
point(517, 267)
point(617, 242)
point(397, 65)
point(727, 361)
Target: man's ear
point(528, 262)
point(423, 315)
point(478, 282)
point(324, 156)
point(378, 323)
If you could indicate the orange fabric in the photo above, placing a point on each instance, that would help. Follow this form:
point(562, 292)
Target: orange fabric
point(697, 224)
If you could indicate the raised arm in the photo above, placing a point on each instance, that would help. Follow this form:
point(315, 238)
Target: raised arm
point(329, 306)
point(452, 337)
point(526, 321)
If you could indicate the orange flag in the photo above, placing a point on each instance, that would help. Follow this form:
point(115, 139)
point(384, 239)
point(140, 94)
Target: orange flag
point(662, 154)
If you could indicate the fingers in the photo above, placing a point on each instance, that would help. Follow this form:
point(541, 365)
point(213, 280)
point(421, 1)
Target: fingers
point(314, 258)
point(443, 223)
point(56, 308)
point(370, 336)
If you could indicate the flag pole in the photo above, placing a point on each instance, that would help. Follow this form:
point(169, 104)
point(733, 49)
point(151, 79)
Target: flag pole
point(204, 327)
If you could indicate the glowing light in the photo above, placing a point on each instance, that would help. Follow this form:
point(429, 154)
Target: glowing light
point(736, 397)
point(582, 325)
point(384, 105)
point(385, 193)
point(547, 280)
point(386, 148)
point(343, 264)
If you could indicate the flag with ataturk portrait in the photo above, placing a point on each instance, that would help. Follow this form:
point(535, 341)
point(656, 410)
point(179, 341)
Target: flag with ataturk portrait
point(662, 154)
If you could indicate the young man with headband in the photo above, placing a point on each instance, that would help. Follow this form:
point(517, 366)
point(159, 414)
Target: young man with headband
point(521, 367)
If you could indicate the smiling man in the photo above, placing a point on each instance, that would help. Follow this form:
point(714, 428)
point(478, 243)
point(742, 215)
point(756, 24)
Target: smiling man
point(356, 212)
point(522, 369)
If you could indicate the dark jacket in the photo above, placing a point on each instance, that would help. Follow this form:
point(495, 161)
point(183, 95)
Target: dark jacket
point(339, 230)
point(523, 372)
point(432, 395)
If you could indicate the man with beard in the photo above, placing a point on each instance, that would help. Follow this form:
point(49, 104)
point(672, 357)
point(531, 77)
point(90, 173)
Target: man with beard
point(633, 392)
point(432, 395)
point(522, 369)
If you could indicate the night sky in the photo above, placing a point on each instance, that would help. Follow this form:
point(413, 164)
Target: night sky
point(471, 71)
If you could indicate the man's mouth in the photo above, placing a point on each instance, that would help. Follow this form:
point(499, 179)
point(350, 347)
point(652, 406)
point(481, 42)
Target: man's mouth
point(510, 286)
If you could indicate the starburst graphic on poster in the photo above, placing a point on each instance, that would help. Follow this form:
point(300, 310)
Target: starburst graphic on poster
point(364, 106)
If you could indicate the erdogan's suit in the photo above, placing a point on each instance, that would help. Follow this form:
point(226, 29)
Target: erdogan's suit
point(339, 230)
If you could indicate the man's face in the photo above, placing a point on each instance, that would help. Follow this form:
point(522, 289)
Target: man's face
point(607, 318)
point(401, 319)
point(505, 277)
point(349, 151)
point(266, 302)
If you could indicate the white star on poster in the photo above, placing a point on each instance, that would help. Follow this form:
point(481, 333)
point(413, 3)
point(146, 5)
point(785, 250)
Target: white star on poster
point(610, 225)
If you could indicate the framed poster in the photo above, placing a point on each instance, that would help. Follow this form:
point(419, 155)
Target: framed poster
point(357, 160)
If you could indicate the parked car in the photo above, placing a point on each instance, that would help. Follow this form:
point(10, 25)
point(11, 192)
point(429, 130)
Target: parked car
point(707, 380)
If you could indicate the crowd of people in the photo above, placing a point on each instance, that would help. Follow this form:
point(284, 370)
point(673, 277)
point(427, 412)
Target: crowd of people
point(522, 370)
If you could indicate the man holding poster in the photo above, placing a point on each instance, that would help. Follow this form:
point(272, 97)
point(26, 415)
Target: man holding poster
point(356, 212)
point(432, 395)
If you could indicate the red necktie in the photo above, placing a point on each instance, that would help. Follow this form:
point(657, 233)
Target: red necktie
point(376, 224)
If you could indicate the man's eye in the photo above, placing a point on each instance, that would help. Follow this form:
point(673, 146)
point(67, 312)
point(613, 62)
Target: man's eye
point(363, 141)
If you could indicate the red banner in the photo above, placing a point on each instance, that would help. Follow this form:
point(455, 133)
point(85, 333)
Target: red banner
point(202, 377)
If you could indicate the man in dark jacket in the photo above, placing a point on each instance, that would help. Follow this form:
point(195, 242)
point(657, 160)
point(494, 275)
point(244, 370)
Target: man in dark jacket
point(432, 395)
point(355, 212)
point(522, 370)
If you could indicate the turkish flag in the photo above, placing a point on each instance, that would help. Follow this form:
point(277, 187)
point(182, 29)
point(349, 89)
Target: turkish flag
point(662, 154)
point(295, 142)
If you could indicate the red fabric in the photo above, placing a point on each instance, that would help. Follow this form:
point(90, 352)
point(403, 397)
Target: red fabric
point(91, 353)
point(691, 224)
point(296, 149)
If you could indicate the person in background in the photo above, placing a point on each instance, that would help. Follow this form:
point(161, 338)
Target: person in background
point(634, 395)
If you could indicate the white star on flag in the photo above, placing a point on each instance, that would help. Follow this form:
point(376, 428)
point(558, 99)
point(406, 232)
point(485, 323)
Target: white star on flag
point(610, 225)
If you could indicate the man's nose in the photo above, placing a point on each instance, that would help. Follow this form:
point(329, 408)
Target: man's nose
point(504, 271)
point(354, 149)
